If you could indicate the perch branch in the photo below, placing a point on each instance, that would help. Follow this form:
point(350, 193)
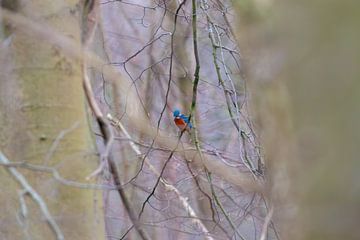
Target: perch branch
point(184, 201)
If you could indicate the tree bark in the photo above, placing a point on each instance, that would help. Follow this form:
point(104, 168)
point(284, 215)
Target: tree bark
point(43, 122)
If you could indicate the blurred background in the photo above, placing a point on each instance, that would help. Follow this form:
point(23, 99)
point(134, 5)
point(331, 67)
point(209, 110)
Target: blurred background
point(273, 150)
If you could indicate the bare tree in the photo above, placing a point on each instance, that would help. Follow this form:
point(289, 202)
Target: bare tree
point(88, 144)
point(194, 65)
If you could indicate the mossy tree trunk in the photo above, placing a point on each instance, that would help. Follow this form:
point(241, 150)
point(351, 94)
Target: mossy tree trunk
point(43, 122)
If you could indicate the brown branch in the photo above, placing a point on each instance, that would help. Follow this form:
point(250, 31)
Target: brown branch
point(106, 131)
point(160, 175)
point(167, 91)
point(184, 200)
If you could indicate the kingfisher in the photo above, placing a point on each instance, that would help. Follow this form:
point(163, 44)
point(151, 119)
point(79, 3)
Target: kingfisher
point(182, 121)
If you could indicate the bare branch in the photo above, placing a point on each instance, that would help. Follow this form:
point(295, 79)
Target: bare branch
point(105, 129)
point(266, 223)
point(58, 139)
point(167, 185)
point(56, 175)
point(35, 196)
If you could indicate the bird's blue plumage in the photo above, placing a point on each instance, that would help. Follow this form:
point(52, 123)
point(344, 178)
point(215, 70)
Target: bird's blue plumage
point(176, 113)
point(186, 119)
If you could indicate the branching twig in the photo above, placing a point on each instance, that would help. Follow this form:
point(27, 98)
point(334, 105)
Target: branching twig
point(72, 49)
point(193, 105)
point(35, 196)
point(219, 204)
point(183, 200)
point(266, 223)
point(217, 68)
point(57, 140)
point(106, 131)
point(168, 88)
point(235, 119)
point(171, 61)
point(56, 175)
point(160, 175)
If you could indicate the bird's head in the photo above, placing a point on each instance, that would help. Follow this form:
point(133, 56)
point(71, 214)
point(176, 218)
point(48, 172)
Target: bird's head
point(176, 113)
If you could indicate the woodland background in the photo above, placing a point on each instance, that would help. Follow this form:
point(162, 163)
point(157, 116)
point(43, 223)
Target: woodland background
point(89, 150)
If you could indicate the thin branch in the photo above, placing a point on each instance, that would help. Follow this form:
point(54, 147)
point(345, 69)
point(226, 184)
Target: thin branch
point(171, 61)
point(221, 206)
point(57, 140)
point(35, 196)
point(211, 28)
point(197, 60)
point(266, 223)
point(106, 131)
point(193, 105)
point(166, 184)
point(127, 231)
point(56, 175)
point(167, 91)
point(160, 175)
point(221, 81)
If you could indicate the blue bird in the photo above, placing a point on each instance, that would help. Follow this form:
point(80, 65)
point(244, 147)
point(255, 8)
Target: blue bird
point(182, 121)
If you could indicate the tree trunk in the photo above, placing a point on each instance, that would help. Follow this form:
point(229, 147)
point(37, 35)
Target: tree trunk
point(43, 121)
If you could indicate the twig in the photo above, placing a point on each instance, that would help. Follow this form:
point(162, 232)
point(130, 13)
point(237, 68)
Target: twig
point(197, 60)
point(23, 214)
point(58, 177)
point(171, 61)
point(74, 50)
point(211, 29)
point(35, 196)
point(193, 105)
point(106, 131)
point(160, 175)
point(167, 185)
point(266, 223)
point(217, 68)
point(57, 140)
point(167, 91)
point(219, 204)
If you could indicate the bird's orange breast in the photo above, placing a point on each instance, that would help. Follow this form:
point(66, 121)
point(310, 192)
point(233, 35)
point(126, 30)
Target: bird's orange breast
point(180, 123)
